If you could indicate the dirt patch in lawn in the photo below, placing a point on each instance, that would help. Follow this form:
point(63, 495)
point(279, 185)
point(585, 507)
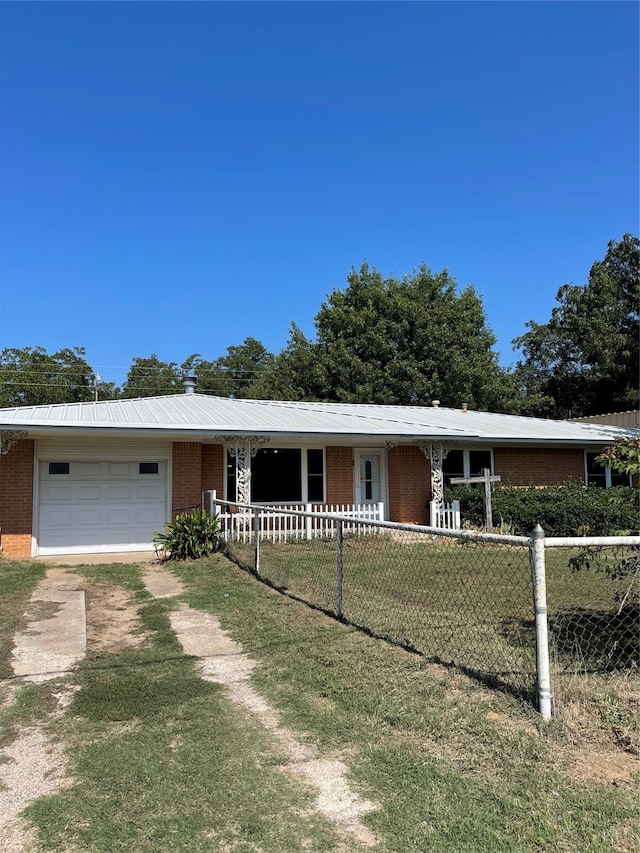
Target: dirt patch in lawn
point(113, 623)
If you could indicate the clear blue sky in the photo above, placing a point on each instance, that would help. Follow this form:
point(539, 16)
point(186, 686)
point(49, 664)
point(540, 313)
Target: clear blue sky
point(179, 176)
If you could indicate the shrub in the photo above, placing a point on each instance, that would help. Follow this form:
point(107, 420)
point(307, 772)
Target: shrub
point(191, 535)
point(569, 510)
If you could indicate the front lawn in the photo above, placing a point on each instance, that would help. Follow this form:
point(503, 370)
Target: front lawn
point(161, 760)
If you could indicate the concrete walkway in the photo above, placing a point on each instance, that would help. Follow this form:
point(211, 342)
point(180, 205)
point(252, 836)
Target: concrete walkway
point(56, 635)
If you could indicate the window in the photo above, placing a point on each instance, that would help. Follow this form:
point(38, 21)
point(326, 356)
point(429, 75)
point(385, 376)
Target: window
point(466, 463)
point(58, 467)
point(276, 475)
point(453, 465)
point(315, 476)
point(478, 461)
point(281, 475)
point(148, 468)
point(599, 475)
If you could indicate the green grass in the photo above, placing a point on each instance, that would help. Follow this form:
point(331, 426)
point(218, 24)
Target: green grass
point(459, 602)
point(164, 761)
point(448, 775)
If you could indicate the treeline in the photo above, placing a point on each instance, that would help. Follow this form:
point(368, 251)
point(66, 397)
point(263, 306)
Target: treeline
point(398, 341)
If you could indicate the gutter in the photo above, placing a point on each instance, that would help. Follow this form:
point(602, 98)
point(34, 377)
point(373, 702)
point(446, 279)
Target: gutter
point(198, 433)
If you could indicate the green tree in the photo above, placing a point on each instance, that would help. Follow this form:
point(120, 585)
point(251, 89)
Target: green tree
point(585, 359)
point(150, 377)
point(232, 374)
point(33, 377)
point(294, 374)
point(623, 455)
point(397, 341)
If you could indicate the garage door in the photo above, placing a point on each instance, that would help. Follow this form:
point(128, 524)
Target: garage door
point(91, 507)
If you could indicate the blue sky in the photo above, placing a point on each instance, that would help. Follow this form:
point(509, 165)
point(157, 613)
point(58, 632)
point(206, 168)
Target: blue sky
point(179, 176)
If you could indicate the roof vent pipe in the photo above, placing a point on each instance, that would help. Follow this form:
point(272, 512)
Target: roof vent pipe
point(435, 403)
point(189, 384)
point(464, 407)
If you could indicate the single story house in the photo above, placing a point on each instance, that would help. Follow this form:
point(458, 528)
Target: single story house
point(104, 476)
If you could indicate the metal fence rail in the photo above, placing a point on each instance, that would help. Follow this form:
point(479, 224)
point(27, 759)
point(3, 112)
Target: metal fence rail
point(505, 609)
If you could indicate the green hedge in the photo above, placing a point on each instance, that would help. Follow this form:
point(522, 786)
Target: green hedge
point(570, 510)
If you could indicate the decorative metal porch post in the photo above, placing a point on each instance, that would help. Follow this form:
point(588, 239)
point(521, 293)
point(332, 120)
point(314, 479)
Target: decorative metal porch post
point(436, 453)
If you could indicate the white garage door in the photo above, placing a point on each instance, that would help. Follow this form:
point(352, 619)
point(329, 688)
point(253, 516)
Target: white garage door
point(92, 507)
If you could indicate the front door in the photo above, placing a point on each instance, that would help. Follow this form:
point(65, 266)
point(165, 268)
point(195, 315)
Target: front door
point(368, 478)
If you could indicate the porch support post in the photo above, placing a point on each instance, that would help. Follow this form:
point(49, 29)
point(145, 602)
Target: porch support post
point(436, 453)
point(243, 472)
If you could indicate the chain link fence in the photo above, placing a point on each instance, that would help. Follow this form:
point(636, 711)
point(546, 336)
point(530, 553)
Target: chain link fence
point(472, 600)
point(593, 594)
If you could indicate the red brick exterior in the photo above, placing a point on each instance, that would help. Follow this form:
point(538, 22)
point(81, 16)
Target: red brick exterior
point(339, 466)
point(523, 466)
point(213, 468)
point(16, 500)
point(187, 476)
point(409, 485)
point(196, 468)
point(199, 467)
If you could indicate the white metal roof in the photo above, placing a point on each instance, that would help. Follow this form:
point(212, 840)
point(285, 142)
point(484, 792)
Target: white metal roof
point(202, 416)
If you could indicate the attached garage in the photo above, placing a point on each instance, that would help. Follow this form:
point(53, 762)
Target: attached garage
point(100, 505)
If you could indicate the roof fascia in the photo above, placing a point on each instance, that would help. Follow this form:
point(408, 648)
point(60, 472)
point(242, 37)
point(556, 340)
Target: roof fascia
point(197, 433)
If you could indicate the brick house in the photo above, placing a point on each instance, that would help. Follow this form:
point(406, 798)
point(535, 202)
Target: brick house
point(104, 476)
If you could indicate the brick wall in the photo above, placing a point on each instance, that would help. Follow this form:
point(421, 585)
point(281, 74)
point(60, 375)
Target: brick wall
point(213, 468)
point(16, 499)
point(522, 466)
point(187, 475)
point(339, 465)
point(409, 485)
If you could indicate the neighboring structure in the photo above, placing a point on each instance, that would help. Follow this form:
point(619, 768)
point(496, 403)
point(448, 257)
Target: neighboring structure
point(104, 476)
point(626, 420)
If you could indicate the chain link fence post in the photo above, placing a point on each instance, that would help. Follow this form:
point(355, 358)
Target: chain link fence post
point(538, 576)
point(339, 568)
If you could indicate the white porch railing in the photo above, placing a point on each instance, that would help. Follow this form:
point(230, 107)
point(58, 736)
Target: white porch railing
point(298, 521)
point(446, 516)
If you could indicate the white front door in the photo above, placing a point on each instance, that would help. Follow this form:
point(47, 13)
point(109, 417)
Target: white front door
point(368, 486)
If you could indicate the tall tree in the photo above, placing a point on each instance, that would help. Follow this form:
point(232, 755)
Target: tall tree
point(585, 360)
point(150, 377)
point(232, 374)
point(33, 377)
point(294, 374)
point(403, 341)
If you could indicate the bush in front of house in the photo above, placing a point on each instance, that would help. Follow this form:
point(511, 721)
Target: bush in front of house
point(569, 510)
point(190, 536)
